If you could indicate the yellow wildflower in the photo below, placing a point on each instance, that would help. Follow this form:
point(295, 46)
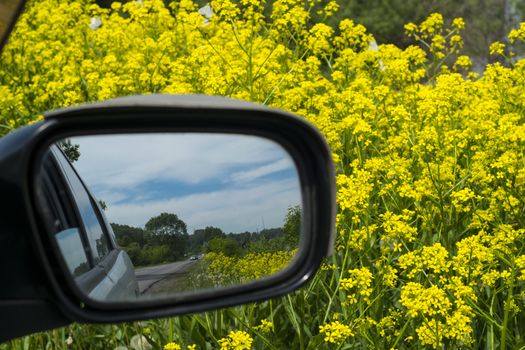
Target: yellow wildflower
point(265, 326)
point(497, 48)
point(172, 346)
point(236, 340)
point(335, 332)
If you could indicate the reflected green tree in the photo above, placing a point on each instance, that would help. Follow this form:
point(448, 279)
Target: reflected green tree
point(166, 224)
point(292, 227)
point(226, 246)
point(71, 151)
point(167, 230)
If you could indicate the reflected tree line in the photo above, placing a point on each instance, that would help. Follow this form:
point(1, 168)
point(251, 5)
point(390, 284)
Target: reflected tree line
point(165, 239)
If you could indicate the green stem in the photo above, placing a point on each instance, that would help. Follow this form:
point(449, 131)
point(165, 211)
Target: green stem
point(401, 334)
point(336, 290)
point(170, 336)
point(506, 309)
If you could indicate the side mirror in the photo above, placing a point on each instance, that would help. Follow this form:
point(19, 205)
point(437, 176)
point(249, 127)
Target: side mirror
point(158, 205)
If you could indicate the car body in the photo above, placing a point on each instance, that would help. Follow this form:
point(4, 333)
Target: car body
point(83, 234)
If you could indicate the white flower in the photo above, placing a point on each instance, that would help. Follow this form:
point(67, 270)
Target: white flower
point(372, 46)
point(95, 23)
point(69, 340)
point(207, 12)
point(139, 342)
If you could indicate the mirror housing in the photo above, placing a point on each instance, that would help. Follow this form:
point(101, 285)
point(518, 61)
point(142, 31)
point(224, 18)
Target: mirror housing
point(40, 294)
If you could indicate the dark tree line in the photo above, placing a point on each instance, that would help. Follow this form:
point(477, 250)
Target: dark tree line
point(165, 239)
point(486, 21)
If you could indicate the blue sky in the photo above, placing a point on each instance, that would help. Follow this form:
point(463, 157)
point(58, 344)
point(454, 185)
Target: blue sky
point(235, 182)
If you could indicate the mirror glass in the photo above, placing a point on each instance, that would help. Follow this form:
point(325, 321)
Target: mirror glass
point(149, 216)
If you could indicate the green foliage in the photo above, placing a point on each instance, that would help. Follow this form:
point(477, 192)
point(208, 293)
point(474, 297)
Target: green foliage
point(126, 234)
point(147, 248)
point(166, 224)
point(487, 20)
point(384, 18)
point(103, 204)
point(227, 246)
point(200, 238)
point(292, 226)
point(71, 151)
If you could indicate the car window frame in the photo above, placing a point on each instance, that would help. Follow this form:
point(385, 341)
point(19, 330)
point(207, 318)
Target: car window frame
point(64, 203)
point(57, 152)
point(98, 270)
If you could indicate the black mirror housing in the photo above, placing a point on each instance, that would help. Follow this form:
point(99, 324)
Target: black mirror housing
point(37, 295)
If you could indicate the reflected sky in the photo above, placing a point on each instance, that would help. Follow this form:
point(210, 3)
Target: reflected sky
point(235, 182)
point(71, 247)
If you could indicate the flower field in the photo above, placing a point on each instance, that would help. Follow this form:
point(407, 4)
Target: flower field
point(430, 160)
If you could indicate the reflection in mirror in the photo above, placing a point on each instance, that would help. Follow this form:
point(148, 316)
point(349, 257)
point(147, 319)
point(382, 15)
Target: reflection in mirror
point(152, 215)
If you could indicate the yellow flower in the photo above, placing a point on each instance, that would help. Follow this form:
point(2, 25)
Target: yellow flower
point(410, 28)
point(458, 23)
point(424, 301)
point(396, 227)
point(331, 8)
point(497, 48)
point(265, 326)
point(172, 346)
point(432, 24)
point(438, 42)
point(517, 34)
point(463, 62)
point(115, 5)
point(236, 340)
point(456, 40)
point(461, 199)
point(357, 284)
point(320, 39)
point(520, 264)
point(335, 332)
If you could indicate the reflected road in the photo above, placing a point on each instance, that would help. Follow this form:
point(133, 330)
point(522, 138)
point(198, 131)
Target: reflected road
point(148, 276)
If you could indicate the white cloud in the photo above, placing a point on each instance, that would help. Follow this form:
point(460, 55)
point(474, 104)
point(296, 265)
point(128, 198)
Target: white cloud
point(233, 210)
point(245, 197)
point(128, 160)
point(250, 175)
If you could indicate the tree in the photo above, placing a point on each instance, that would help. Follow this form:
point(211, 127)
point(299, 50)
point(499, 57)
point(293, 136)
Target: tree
point(487, 21)
point(168, 230)
point(200, 237)
point(384, 18)
point(166, 224)
point(103, 204)
point(70, 150)
point(127, 234)
point(226, 246)
point(292, 226)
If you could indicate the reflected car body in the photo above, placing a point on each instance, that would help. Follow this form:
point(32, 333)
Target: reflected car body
point(101, 269)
